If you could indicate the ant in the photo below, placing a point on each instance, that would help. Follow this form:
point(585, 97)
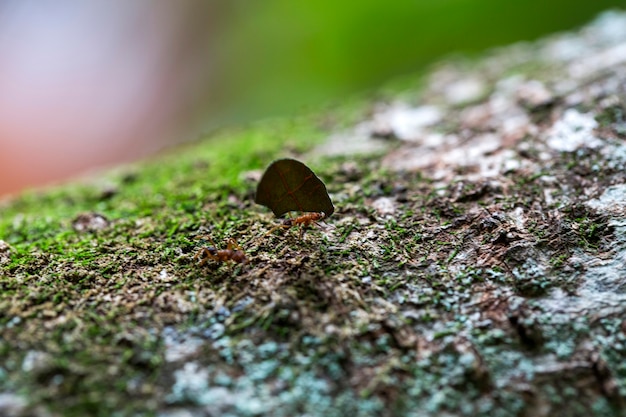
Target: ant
point(233, 252)
point(307, 219)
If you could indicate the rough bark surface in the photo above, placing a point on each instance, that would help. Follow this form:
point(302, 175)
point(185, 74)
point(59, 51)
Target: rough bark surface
point(474, 264)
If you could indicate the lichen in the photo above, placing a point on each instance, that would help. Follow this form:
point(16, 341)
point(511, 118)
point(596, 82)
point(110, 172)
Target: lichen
point(471, 266)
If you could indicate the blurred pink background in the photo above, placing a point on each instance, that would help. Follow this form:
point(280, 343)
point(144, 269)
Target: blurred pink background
point(87, 84)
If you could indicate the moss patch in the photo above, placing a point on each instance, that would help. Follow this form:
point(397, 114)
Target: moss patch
point(453, 287)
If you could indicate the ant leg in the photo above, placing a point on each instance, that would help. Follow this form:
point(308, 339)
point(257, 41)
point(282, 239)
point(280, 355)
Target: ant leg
point(207, 237)
point(232, 244)
point(280, 226)
point(204, 255)
point(304, 225)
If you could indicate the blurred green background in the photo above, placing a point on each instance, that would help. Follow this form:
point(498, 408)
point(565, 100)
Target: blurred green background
point(87, 85)
point(283, 53)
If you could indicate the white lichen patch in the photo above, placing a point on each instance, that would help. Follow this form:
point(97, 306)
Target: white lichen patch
point(612, 200)
point(357, 141)
point(14, 405)
point(180, 347)
point(465, 90)
point(384, 206)
point(409, 123)
point(36, 361)
point(191, 382)
point(574, 130)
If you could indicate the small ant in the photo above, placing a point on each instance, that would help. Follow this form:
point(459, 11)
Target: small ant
point(307, 219)
point(233, 252)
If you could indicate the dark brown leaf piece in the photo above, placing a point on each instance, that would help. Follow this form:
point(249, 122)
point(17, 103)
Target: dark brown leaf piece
point(289, 185)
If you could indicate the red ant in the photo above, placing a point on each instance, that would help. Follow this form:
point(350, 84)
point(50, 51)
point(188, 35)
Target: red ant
point(307, 219)
point(233, 252)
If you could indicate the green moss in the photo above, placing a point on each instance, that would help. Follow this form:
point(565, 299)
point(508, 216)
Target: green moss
point(434, 307)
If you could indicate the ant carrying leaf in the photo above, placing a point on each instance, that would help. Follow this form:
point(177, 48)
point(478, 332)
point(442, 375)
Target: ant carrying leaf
point(307, 219)
point(289, 185)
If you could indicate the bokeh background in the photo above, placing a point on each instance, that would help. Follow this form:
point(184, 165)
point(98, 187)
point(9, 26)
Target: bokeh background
point(88, 84)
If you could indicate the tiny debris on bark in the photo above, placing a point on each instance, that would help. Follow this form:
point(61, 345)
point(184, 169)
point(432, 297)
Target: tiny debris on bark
point(5, 252)
point(89, 222)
